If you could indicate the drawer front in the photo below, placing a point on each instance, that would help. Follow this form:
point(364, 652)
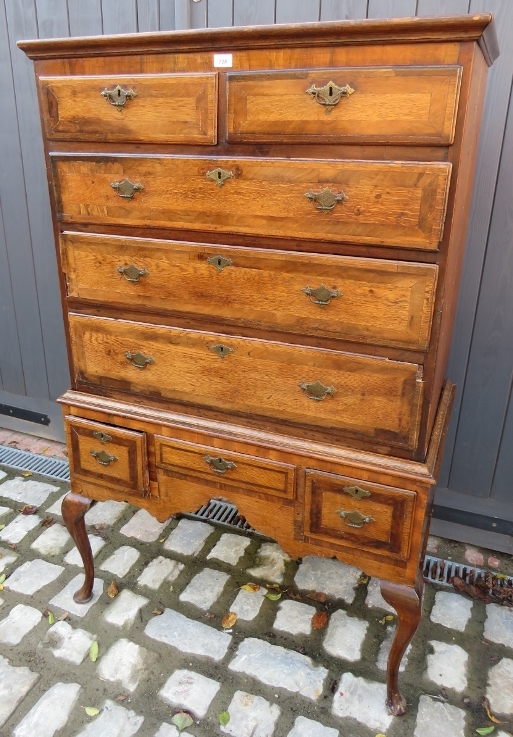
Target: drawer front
point(176, 108)
point(364, 397)
point(365, 300)
point(359, 514)
point(107, 455)
point(394, 104)
point(396, 204)
point(225, 469)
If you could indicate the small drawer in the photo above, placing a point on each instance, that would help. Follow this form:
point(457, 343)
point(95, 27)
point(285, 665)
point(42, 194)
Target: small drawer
point(107, 455)
point(163, 108)
point(225, 468)
point(353, 513)
point(344, 105)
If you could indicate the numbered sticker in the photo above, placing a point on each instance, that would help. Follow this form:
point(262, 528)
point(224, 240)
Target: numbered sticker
point(223, 60)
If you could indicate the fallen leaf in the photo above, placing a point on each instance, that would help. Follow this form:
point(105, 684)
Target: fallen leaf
point(63, 616)
point(91, 711)
point(388, 618)
point(489, 714)
point(273, 595)
point(228, 620)
point(273, 586)
point(381, 735)
point(162, 540)
point(2, 578)
point(26, 473)
point(157, 612)
point(121, 697)
point(113, 590)
point(171, 588)
point(47, 521)
point(319, 620)
point(293, 594)
point(2, 527)
point(45, 451)
point(333, 686)
point(317, 596)
point(485, 730)
point(224, 718)
point(251, 588)
point(13, 546)
point(51, 618)
point(93, 651)
point(363, 579)
point(182, 720)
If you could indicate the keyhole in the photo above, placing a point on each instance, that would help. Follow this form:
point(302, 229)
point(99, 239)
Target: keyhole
point(219, 262)
point(330, 91)
point(219, 175)
point(119, 93)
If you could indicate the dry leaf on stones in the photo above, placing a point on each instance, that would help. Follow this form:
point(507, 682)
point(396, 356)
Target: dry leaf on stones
point(28, 509)
point(182, 720)
point(224, 718)
point(93, 651)
point(91, 711)
point(317, 596)
point(319, 620)
point(113, 590)
point(251, 588)
point(228, 620)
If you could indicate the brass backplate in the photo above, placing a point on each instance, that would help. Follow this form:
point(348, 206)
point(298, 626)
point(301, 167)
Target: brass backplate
point(329, 95)
point(219, 262)
point(354, 518)
point(316, 390)
point(103, 457)
point(219, 176)
point(321, 296)
point(218, 464)
point(221, 350)
point(132, 273)
point(139, 360)
point(103, 437)
point(118, 96)
point(356, 492)
point(325, 200)
point(126, 189)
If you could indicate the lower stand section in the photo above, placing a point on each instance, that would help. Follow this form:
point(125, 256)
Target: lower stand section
point(407, 601)
point(74, 507)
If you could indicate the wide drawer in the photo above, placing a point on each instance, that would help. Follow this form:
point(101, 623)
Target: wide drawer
point(391, 104)
point(160, 108)
point(359, 514)
point(396, 204)
point(368, 398)
point(225, 469)
point(107, 455)
point(364, 300)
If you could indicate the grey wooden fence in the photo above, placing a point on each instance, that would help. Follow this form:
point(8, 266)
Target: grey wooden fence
point(477, 472)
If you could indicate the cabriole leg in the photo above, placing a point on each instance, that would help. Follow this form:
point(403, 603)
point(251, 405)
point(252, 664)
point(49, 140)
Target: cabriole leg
point(407, 601)
point(73, 510)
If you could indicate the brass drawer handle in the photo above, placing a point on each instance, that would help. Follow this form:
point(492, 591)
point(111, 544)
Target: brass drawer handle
point(218, 464)
point(219, 262)
point(102, 437)
point(321, 296)
point(221, 350)
point(126, 189)
point(354, 518)
point(219, 176)
point(103, 457)
point(356, 492)
point(139, 360)
point(329, 95)
point(118, 96)
point(132, 273)
point(317, 391)
point(325, 200)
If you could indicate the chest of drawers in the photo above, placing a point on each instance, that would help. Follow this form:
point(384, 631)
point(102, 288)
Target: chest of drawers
point(259, 269)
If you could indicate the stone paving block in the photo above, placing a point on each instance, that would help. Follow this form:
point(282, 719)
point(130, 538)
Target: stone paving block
point(20, 620)
point(120, 562)
point(144, 527)
point(5, 510)
point(384, 651)
point(15, 683)
point(329, 577)
point(27, 491)
point(2, 475)
point(451, 610)
point(499, 624)
point(191, 691)
point(247, 604)
point(374, 599)
point(474, 556)
point(20, 526)
point(113, 721)
point(278, 666)
point(32, 576)
point(345, 635)
point(437, 718)
point(73, 557)
point(304, 727)
point(294, 617)
point(187, 635)
point(229, 548)
point(50, 713)
point(64, 599)
point(169, 730)
point(105, 513)
point(188, 537)
point(500, 687)
point(123, 610)
point(205, 588)
point(364, 701)
point(160, 569)
point(125, 663)
point(251, 716)
point(52, 541)
point(271, 561)
point(56, 506)
point(447, 666)
point(6, 558)
point(67, 643)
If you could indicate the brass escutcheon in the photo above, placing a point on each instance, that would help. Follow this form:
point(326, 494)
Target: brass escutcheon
point(329, 95)
point(218, 464)
point(103, 457)
point(132, 273)
point(102, 437)
point(139, 360)
point(221, 350)
point(125, 188)
point(354, 518)
point(219, 262)
point(219, 176)
point(316, 391)
point(118, 96)
point(325, 200)
point(321, 296)
point(356, 492)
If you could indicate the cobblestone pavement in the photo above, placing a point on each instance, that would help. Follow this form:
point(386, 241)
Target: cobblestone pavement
point(162, 647)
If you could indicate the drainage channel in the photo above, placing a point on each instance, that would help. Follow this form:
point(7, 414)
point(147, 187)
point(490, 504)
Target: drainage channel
point(22, 460)
point(441, 572)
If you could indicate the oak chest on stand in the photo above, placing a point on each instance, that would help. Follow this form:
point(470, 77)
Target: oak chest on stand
point(260, 233)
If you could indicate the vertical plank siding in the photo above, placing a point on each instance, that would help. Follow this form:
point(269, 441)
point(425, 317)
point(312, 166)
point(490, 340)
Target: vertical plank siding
point(478, 462)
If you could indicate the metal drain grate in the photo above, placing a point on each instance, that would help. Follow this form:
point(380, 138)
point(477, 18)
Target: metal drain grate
point(21, 460)
point(228, 514)
point(441, 572)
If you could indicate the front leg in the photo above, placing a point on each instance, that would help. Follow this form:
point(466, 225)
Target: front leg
point(407, 601)
point(73, 510)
